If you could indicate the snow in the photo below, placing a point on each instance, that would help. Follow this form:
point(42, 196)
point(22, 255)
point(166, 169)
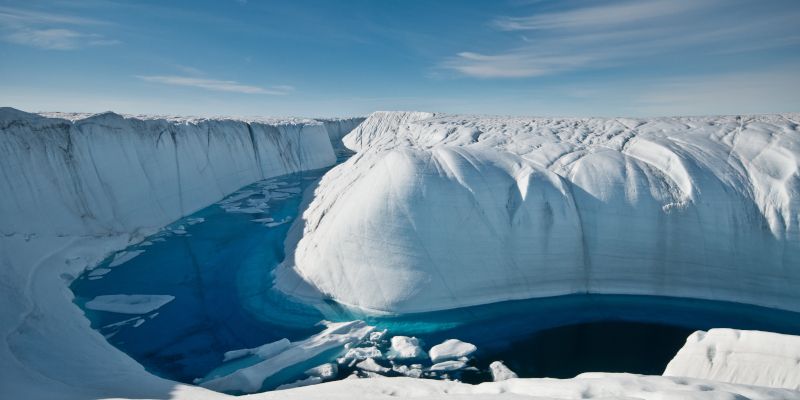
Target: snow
point(453, 211)
point(250, 379)
point(746, 357)
point(451, 349)
point(311, 380)
point(500, 372)
point(129, 303)
point(584, 386)
point(404, 347)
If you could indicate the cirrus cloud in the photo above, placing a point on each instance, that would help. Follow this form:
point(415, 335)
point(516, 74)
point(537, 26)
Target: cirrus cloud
point(216, 85)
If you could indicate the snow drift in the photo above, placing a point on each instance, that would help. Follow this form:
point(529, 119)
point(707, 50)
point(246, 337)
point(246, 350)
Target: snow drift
point(438, 212)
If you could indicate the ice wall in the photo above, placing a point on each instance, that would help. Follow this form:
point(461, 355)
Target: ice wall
point(437, 212)
point(107, 174)
point(745, 357)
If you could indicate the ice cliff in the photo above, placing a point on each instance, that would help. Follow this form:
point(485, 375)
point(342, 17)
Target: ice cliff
point(440, 211)
point(106, 174)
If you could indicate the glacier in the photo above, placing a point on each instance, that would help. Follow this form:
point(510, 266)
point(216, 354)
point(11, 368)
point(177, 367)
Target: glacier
point(438, 212)
point(543, 207)
point(77, 187)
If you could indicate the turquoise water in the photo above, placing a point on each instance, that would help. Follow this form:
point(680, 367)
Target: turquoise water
point(219, 273)
point(217, 263)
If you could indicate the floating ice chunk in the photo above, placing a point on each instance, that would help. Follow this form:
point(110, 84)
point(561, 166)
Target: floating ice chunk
point(451, 349)
point(264, 351)
point(414, 371)
point(123, 257)
point(452, 365)
point(324, 371)
point(377, 336)
point(146, 243)
point(195, 220)
point(262, 220)
point(98, 272)
point(250, 379)
point(500, 372)
point(246, 210)
point(238, 196)
point(129, 321)
point(370, 365)
point(361, 353)
point(129, 303)
point(311, 380)
point(277, 223)
point(404, 347)
point(290, 190)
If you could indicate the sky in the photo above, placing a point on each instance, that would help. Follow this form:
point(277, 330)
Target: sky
point(351, 57)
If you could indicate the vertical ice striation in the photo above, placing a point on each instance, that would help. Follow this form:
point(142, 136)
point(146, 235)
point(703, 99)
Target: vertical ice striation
point(107, 174)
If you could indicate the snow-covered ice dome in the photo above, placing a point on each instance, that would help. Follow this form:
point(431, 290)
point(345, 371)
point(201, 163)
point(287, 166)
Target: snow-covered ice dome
point(440, 211)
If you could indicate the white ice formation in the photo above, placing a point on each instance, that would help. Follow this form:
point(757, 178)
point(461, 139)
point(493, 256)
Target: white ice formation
point(500, 372)
point(745, 357)
point(129, 303)
point(438, 212)
point(451, 349)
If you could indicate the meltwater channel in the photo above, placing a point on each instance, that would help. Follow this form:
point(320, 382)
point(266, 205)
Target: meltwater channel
point(211, 274)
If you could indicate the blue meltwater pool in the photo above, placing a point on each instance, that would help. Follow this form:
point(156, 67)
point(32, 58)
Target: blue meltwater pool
point(181, 299)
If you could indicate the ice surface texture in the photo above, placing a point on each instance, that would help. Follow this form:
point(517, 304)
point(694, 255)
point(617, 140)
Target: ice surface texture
point(437, 212)
point(746, 357)
point(107, 174)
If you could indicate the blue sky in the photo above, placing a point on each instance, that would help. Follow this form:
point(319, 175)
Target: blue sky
point(351, 57)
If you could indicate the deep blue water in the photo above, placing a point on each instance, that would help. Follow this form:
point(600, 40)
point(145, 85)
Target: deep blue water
point(219, 271)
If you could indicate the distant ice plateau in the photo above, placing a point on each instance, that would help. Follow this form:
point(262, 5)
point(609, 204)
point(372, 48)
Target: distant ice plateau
point(702, 207)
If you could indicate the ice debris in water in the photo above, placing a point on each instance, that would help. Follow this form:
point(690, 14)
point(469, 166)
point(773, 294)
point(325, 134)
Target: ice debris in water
point(123, 257)
point(451, 349)
point(129, 303)
point(404, 347)
point(500, 372)
point(264, 351)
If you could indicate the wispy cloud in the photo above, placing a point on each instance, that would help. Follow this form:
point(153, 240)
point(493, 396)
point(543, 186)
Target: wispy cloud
point(513, 64)
point(620, 33)
point(57, 39)
point(9, 15)
point(216, 85)
point(598, 16)
point(763, 91)
point(46, 30)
